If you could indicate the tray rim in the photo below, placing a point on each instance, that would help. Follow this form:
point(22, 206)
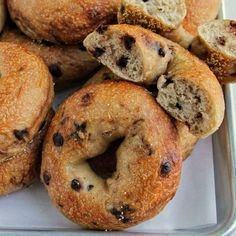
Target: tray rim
point(223, 230)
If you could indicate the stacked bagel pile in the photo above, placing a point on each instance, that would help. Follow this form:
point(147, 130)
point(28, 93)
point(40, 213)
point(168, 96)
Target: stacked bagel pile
point(113, 153)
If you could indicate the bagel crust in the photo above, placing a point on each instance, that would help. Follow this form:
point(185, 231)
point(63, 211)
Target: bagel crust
point(181, 77)
point(67, 64)
point(21, 170)
point(148, 160)
point(26, 93)
point(64, 21)
point(3, 13)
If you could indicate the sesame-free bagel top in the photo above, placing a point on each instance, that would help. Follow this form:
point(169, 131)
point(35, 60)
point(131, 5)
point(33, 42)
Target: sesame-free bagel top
point(148, 163)
point(26, 92)
point(64, 21)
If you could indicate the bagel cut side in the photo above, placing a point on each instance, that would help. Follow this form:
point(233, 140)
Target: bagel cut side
point(111, 161)
point(186, 87)
point(216, 45)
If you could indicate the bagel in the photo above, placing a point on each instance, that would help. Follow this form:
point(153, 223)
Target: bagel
point(67, 64)
point(216, 45)
point(200, 12)
point(3, 13)
point(176, 20)
point(21, 170)
point(187, 140)
point(64, 21)
point(85, 180)
point(186, 78)
point(26, 93)
point(129, 53)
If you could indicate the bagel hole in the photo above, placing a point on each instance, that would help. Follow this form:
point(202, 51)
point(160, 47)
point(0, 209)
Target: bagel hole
point(104, 165)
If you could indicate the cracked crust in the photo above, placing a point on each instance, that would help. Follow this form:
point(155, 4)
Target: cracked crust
point(64, 22)
point(148, 159)
point(26, 90)
point(21, 170)
point(67, 64)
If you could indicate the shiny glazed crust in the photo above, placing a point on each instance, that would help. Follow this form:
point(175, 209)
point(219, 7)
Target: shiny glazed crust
point(62, 21)
point(21, 170)
point(26, 93)
point(67, 64)
point(200, 12)
point(148, 159)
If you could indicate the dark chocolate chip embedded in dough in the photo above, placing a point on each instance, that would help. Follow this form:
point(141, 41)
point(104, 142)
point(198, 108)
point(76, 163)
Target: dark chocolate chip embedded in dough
point(85, 98)
point(122, 62)
point(75, 184)
point(145, 0)
point(101, 29)
point(21, 134)
point(55, 70)
point(120, 215)
point(161, 52)
point(128, 41)
point(90, 187)
point(98, 52)
point(165, 168)
point(58, 139)
point(46, 178)
point(221, 40)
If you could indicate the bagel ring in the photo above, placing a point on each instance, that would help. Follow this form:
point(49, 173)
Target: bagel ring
point(187, 140)
point(64, 21)
point(137, 182)
point(26, 93)
point(67, 64)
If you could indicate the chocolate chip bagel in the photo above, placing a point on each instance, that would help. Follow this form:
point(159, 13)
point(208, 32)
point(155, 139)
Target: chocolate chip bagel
point(186, 87)
point(26, 93)
point(187, 140)
point(111, 161)
point(67, 64)
point(64, 21)
point(21, 170)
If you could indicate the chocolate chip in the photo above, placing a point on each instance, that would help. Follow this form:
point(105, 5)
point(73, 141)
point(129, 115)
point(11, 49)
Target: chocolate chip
point(58, 140)
point(178, 106)
point(122, 9)
point(128, 41)
point(90, 187)
point(21, 134)
point(101, 29)
point(82, 47)
point(120, 215)
point(85, 98)
point(127, 209)
point(46, 178)
point(145, 0)
point(60, 205)
point(221, 40)
point(80, 130)
point(98, 52)
point(55, 70)
point(75, 184)
point(165, 168)
point(199, 115)
point(161, 52)
point(122, 62)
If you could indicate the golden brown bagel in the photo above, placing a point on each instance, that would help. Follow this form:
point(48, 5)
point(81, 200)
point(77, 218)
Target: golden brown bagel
point(26, 93)
point(67, 64)
point(200, 12)
point(187, 140)
point(187, 89)
point(64, 21)
point(146, 175)
point(21, 170)
point(216, 45)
